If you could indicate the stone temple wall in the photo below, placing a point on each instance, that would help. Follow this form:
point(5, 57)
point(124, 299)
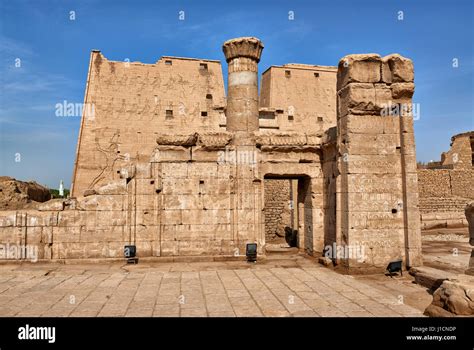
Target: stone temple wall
point(170, 206)
point(179, 185)
point(131, 102)
point(304, 97)
point(200, 212)
point(183, 202)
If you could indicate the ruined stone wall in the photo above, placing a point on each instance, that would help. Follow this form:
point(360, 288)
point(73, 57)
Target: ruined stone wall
point(132, 102)
point(460, 153)
point(443, 212)
point(444, 193)
point(446, 187)
point(443, 204)
point(15, 194)
point(446, 183)
point(462, 183)
point(304, 96)
point(434, 183)
point(277, 209)
point(96, 226)
point(378, 206)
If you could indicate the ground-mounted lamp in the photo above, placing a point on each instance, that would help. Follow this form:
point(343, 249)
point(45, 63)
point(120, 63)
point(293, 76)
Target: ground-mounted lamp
point(130, 252)
point(395, 266)
point(251, 252)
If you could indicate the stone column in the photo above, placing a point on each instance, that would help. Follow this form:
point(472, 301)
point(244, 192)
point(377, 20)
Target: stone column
point(378, 188)
point(242, 55)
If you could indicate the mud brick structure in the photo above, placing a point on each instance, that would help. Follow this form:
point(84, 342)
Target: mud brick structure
point(170, 163)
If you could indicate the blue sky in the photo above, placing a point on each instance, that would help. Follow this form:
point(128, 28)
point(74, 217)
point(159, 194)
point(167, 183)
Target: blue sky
point(54, 53)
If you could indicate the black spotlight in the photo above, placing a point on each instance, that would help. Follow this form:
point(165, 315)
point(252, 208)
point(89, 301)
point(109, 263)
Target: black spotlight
point(130, 252)
point(395, 266)
point(251, 252)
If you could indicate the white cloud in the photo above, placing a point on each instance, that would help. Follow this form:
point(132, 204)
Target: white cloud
point(15, 48)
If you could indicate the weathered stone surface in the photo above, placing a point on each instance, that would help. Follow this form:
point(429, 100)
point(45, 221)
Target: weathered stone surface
point(436, 311)
point(429, 277)
point(243, 47)
point(435, 216)
point(459, 156)
point(357, 98)
point(89, 192)
point(456, 296)
point(177, 140)
point(377, 147)
point(214, 141)
point(358, 68)
point(116, 187)
point(383, 97)
point(52, 205)
point(401, 69)
point(100, 202)
point(402, 91)
point(171, 154)
point(15, 194)
point(287, 139)
point(385, 73)
point(369, 124)
point(371, 144)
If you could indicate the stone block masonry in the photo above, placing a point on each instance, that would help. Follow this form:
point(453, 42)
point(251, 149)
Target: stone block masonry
point(277, 208)
point(378, 207)
point(133, 102)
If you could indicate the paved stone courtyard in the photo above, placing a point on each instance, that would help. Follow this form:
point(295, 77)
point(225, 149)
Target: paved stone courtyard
point(283, 287)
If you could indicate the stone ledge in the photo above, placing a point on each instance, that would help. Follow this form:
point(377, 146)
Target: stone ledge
point(148, 259)
point(214, 140)
point(288, 141)
point(429, 277)
point(177, 140)
point(209, 140)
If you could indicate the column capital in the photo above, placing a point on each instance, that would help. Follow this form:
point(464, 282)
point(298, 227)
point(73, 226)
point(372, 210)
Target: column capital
point(249, 47)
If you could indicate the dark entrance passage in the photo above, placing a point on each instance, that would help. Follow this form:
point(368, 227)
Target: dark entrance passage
point(286, 211)
point(279, 210)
